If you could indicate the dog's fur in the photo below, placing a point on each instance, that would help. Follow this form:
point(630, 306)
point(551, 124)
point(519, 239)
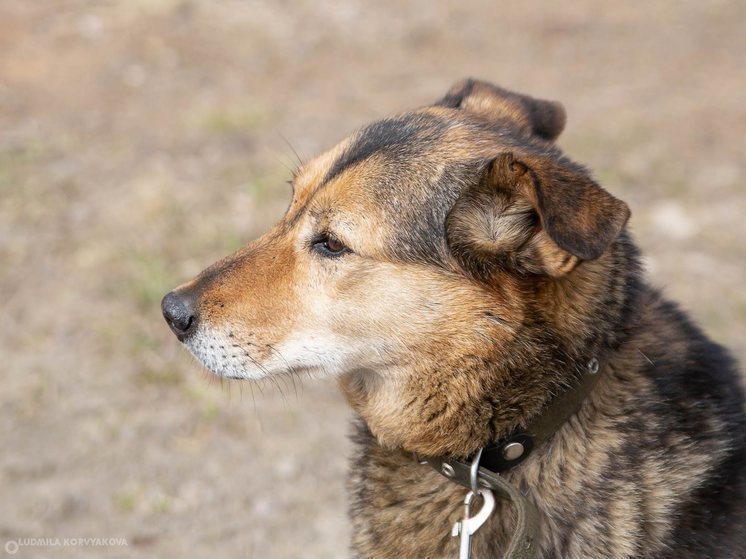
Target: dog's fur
point(455, 270)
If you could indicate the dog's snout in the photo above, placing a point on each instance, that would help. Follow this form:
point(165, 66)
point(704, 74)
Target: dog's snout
point(179, 312)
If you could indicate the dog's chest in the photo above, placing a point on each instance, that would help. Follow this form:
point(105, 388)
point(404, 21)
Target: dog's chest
point(400, 507)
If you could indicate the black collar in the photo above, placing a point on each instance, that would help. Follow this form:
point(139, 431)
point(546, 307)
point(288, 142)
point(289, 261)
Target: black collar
point(510, 451)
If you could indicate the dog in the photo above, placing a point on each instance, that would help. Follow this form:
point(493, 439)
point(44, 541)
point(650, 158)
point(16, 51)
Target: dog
point(457, 273)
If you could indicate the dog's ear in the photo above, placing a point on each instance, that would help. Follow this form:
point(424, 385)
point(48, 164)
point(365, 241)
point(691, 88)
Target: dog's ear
point(545, 119)
point(539, 214)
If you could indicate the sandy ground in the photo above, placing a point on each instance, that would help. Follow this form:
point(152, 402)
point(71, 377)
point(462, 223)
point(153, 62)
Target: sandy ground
point(140, 140)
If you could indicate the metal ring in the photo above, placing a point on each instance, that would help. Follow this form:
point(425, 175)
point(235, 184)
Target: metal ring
point(447, 470)
point(474, 470)
point(593, 366)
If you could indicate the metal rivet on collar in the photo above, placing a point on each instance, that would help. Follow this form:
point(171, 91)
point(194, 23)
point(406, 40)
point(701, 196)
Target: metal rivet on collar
point(447, 470)
point(513, 451)
point(593, 366)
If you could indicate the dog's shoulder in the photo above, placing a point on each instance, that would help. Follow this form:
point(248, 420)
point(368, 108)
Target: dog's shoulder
point(699, 395)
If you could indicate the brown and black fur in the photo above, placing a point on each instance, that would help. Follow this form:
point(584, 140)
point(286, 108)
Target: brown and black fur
point(485, 269)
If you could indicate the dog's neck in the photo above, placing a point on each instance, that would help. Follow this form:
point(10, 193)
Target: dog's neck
point(452, 408)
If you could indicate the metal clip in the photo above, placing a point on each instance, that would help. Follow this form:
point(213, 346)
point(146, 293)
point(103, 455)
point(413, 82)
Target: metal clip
point(470, 524)
point(474, 471)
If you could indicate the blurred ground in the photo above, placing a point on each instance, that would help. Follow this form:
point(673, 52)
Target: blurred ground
point(142, 140)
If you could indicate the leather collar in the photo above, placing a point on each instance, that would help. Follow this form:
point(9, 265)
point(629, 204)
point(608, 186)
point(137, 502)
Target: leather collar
point(508, 452)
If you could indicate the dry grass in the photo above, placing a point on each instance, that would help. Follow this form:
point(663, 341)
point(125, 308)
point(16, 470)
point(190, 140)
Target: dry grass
point(141, 140)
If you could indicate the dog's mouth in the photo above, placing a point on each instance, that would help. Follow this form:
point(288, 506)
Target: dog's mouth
point(231, 354)
point(223, 356)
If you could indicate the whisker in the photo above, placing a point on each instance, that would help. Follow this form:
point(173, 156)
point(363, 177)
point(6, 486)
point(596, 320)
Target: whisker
point(295, 152)
point(279, 388)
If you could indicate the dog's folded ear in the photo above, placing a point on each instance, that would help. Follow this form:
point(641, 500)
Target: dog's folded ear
point(545, 119)
point(539, 214)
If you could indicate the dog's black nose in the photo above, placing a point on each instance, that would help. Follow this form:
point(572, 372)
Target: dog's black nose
point(178, 310)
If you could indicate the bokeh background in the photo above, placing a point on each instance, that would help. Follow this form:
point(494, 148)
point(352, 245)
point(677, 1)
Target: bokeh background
point(141, 140)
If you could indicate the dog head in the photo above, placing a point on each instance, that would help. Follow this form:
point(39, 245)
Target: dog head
point(437, 262)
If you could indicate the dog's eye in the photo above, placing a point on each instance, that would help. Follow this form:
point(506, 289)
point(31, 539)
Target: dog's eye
point(326, 245)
